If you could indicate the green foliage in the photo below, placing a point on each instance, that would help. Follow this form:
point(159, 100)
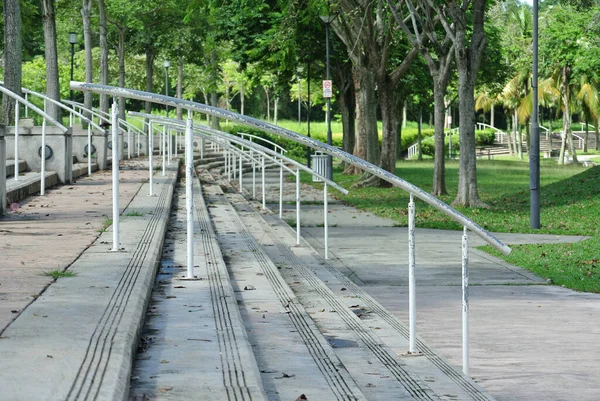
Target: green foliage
point(482, 138)
point(294, 150)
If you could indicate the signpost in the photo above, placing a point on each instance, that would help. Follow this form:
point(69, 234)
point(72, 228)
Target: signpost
point(327, 89)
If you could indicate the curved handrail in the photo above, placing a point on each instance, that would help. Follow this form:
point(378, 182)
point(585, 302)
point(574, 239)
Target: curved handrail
point(262, 125)
point(106, 117)
point(62, 106)
point(33, 107)
point(243, 134)
point(244, 142)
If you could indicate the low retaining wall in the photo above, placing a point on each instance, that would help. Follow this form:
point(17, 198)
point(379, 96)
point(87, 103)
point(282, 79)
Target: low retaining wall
point(59, 152)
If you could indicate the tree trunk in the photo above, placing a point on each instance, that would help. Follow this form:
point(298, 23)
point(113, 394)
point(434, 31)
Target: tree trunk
point(404, 119)
point(596, 134)
point(12, 58)
point(420, 155)
point(367, 112)
point(266, 89)
point(86, 11)
point(360, 143)
point(243, 98)
point(275, 109)
point(52, 84)
point(585, 141)
point(104, 101)
point(439, 122)
point(468, 59)
point(121, 57)
point(509, 136)
point(567, 137)
point(389, 103)
point(492, 116)
point(348, 110)
point(149, 76)
point(179, 85)
point(213, 93)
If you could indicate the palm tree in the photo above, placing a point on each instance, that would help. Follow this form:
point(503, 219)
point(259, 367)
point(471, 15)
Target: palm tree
point(590, 105)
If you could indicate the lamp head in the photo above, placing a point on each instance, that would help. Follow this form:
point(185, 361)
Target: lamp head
point(166, 64)
point(72, 38)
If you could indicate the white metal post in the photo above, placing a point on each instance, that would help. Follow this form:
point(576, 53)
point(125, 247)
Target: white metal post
point(280, 192)
point(297, 206)
point(176, 142)
point(43, 161)
point(89, 153)
point(16, 141)
point(150, 162)
point(253, 178)
point(26, 108)
point(115, 174)
point(164, 148)
point(264, 193)
point(71, 120)
point(169, 147)
point(241, 183)
point(189, 195)
point(465, 300)
point(129, 142)
point(325, 220)
point(137, 144)
point(412, 311)
point(202, 144)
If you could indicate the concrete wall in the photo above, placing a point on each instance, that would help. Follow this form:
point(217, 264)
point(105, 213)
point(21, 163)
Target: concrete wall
point(30, 142)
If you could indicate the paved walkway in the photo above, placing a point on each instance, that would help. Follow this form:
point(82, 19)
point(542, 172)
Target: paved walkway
point(529, 341)
point(50, 232)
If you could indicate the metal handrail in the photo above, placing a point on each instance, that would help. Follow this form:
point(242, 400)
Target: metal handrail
point(62, 106)
point(244, 142)
point(262, 125)
point(243, 134)
point(33, 107)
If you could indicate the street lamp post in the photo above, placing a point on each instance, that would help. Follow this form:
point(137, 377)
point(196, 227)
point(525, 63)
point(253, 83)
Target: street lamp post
point(534, 146)
point(167, 64)
point(327, 20)
point(72, 41)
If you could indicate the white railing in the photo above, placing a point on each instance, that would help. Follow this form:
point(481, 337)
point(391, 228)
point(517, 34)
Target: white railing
point(414, 191)
point(499, 134)
point(46, 117)
point(251, 136)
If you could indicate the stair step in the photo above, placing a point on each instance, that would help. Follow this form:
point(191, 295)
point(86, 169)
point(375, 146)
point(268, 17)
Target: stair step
point(10, 167)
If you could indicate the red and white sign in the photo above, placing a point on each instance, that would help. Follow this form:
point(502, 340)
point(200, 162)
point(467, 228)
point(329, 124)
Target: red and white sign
point(327, 89)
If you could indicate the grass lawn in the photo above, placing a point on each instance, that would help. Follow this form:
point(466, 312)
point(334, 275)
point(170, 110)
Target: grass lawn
point(570, 204)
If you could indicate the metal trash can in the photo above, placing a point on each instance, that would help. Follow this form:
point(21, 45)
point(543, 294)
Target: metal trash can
point(320, 165)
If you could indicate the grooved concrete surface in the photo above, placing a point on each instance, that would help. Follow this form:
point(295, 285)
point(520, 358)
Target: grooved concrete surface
point(529, 341)
point(75, 341)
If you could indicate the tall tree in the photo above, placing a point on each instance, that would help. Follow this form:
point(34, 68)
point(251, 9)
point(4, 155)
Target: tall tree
point(422, 27)
point(103, 54)
point(464, 23)
point(52, 84)
point(86, 14)
point(12, 57)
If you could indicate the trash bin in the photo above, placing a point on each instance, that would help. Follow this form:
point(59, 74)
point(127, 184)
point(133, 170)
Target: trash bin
point(320, 165)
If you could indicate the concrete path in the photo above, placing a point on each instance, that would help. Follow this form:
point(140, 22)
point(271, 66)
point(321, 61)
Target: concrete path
point(529, 341)
point(75, 342)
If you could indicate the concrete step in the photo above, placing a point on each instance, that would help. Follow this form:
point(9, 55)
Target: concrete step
point(28, 184)
point(10, 167)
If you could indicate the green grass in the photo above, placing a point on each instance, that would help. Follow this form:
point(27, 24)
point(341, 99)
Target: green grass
point(134, 213)
point(105, 224)
point(56, 274)
point(570, 201)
